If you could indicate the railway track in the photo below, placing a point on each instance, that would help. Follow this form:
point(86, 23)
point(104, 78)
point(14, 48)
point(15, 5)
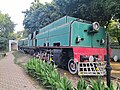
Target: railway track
point(115, 78)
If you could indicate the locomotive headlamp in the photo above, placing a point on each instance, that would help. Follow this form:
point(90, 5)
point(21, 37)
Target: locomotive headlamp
point(91, 59)
point(102, 41)
point(96, 26)
point(115, 58)
point(78, 39)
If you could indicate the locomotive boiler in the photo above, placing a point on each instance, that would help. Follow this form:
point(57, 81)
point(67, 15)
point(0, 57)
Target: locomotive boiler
point(71, 43)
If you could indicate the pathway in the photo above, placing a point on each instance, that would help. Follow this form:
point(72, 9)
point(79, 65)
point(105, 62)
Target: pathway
point(11, 75)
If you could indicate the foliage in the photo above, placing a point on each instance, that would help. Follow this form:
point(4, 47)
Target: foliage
point(6, 25)
point(100, 85)
point(21, 34)
point(40, 15)
point(111, 87)
point(47, 74)
point(118, 87)
point(97, 85)
point(64, 84)
point(114, 30)
point(3, 43)
point(6, 30)
point(82, 85)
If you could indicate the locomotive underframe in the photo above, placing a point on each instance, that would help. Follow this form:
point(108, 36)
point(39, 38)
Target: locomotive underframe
point(67, 57)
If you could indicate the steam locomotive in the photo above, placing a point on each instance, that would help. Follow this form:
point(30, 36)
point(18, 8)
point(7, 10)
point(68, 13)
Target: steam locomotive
point(71, 43)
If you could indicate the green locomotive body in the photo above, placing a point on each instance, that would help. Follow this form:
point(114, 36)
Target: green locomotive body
point(69, 42)
point(64, 32)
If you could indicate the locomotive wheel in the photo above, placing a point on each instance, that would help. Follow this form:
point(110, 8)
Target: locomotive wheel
point(72, 67)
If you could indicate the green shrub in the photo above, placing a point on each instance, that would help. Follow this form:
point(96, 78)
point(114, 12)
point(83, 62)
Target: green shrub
point(118, 87)
point(82, 85)
point(97, 85)
point(111, 87)
point(64, 84)
point(47, 74)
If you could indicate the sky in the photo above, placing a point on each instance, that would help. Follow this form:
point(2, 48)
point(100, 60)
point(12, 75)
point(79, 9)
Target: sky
point(14, 9)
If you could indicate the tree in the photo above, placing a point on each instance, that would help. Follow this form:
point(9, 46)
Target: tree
point(6, 25)
point(3, 43)
point(21, 34)
point(6, 28)
point(114, 30)
point(92, 10)
point(40, 15)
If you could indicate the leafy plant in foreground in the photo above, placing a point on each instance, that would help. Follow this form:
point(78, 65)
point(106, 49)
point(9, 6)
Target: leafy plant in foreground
point(82, 85)
point(118, 87)
point(48, 75)
point(97, 85)
point(64, 84)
